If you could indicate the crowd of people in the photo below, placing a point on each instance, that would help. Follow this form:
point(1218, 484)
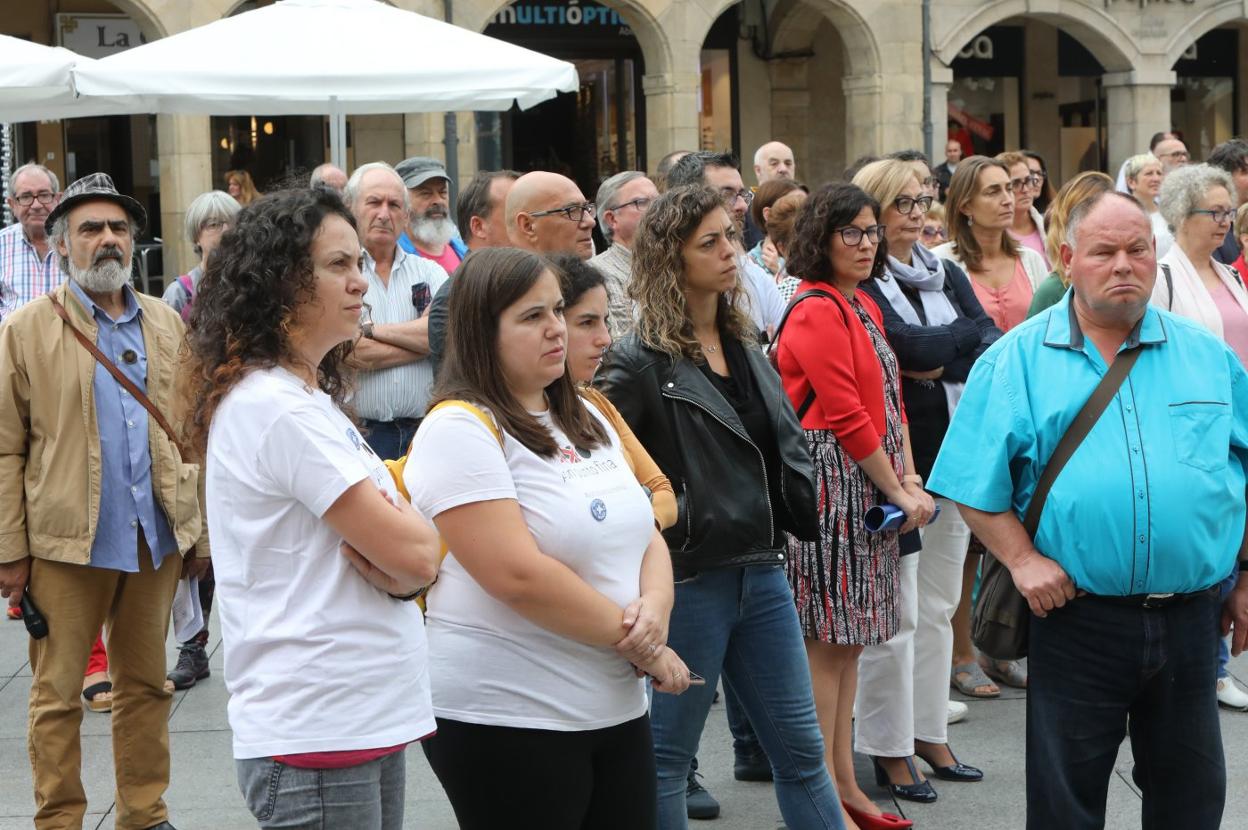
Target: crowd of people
point(467, 480)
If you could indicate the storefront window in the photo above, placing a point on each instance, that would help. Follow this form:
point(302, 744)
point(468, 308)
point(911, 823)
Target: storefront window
point(715, 101)
point(278, 151)
point(1202, 104)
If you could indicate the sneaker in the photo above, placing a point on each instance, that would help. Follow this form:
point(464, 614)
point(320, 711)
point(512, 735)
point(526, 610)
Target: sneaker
point(192, 665)
point(699, 804)
point(1231, 696)
point(752, 766)
point(957, 711)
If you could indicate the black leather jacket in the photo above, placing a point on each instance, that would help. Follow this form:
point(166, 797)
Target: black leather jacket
point(725, 516)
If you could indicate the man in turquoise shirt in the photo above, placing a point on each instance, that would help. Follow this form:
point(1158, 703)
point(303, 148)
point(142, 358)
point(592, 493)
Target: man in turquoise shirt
point(1142, 524)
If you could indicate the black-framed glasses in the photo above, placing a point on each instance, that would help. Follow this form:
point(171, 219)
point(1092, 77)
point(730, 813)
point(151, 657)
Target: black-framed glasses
point(1220, 215)
point(852, 235)
point(45, 197)
point(574, 213)
point(1039, 176)
point(905, 204)
point(641, 203)
point(1176, 154)
point(1025, 181)
point(729, 195)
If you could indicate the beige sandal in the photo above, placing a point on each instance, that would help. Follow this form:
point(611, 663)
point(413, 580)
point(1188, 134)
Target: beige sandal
point(98, 695)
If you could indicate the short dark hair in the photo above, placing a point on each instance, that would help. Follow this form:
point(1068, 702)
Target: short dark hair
point(832, 206)
point(692, 168)
point(486, 283)
point(1231, 156)
point(576, 276)
point(474, 199)
point(858, 164)
point(911, 155)
point(1160, 137)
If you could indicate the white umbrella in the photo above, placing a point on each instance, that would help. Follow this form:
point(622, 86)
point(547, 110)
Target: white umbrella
point(36, 84)
point(328, 57)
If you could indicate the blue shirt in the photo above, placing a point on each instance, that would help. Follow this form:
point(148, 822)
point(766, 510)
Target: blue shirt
point(1153, 499)
point(457, 245)
point(127, 501)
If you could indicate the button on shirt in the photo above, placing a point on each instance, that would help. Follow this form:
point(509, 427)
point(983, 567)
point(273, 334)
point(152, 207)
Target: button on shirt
point(400, 391)
point(127, 501)
point(1153, 499)
point(24, 275)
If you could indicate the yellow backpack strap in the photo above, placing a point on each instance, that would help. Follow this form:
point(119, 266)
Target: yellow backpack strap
point(475, 410)
point(395, 466)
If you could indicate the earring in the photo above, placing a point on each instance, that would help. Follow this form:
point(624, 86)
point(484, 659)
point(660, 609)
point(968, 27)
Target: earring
point(970, 220)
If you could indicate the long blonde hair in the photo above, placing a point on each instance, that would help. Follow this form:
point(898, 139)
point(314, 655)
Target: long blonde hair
point(1076, 191)
point(659, 275)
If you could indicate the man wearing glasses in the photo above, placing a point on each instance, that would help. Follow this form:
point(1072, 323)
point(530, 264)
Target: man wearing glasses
point(1172, 152)
point(623, 200)
point(548, 214)
point(26, 267)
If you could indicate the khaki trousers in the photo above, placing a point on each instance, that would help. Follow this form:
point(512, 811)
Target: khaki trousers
point(134, 608)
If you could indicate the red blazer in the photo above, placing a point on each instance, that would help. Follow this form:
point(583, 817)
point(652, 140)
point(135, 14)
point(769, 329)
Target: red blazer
point(826, 347)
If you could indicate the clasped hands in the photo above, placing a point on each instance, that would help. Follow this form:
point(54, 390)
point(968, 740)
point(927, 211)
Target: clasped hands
point(645, 646)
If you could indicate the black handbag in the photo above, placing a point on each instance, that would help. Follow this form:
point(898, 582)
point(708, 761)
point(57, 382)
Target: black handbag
point(1001, 618)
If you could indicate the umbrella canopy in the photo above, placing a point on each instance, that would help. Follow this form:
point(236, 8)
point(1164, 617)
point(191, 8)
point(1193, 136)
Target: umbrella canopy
point(328, 57)
point(35, 84)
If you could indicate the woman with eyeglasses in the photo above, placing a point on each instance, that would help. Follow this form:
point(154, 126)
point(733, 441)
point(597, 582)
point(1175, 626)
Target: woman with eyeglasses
point(1144, 174)
point(1045, 192)
point(1028, 225)
point(704, 401)
point(207, 218)
point(933, 233)
point(937, 329)
point(979, 215)
point(844, 380)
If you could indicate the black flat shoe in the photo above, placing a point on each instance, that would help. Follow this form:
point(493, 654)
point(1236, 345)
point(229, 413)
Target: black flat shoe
point(922, 792)
point(956, 772)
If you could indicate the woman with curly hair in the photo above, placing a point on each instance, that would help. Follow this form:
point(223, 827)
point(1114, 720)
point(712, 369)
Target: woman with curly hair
point(556, 578)
point(314, 551)
point(702, 398)
point(840, 372)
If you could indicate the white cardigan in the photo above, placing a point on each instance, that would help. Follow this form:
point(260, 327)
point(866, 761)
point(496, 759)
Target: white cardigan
point(1033, 263)
point(1191, 299)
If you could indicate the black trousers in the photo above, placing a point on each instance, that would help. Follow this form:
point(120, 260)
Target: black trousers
point(501, 776)
point(1098, 672)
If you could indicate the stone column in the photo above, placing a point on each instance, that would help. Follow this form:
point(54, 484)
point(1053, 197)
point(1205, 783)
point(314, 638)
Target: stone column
point(938, 95)
point(671, 113)
point(1138, 104)
point(185, 146)
point(864, 115)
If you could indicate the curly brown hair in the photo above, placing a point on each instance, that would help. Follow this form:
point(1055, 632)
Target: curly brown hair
point(255, 281)
point(831, 207)
point(659, 275)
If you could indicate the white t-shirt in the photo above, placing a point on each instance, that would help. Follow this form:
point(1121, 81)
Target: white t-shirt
point(584, 508)
point(316, 658)
point(766, 303)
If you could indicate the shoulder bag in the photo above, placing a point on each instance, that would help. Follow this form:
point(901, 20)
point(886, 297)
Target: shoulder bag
point(1000, 620)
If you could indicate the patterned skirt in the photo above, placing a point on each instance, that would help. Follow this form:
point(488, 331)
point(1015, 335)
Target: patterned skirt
point(846, 584)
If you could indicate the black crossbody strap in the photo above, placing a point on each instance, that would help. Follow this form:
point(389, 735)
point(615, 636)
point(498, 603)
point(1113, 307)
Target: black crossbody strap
point(1076, 432)
point(813, 292)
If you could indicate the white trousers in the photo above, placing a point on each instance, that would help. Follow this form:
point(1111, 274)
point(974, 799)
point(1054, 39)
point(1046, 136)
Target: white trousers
point(903, 684)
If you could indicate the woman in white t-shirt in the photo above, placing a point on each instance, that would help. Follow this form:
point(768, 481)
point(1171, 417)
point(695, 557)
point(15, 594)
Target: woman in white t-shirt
point(325, 663)
point(557, 578)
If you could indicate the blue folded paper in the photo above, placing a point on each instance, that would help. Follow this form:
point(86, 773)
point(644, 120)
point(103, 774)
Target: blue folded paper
point(889, 517)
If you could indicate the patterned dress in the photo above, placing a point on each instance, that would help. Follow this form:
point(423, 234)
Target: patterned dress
point(846, 584)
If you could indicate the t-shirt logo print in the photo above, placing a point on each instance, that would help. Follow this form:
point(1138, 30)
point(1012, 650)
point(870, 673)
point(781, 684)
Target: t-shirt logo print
point(598, 509)
point(568, 455)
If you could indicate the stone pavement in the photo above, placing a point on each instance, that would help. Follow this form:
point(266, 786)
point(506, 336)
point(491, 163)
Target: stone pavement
point(203, 794)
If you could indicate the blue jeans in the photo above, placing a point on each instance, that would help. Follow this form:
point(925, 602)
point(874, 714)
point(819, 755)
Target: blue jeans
point(390, 439)
point(1098, 671)
point(744, 741)
point(1224, 651)
point(365, 797)
point(742, 621)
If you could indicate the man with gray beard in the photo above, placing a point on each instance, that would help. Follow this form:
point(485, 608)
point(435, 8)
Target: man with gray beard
point(430, 231)
point(99, 507)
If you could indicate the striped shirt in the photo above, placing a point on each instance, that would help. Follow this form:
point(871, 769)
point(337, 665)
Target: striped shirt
point(400, 391)
point(23, 276)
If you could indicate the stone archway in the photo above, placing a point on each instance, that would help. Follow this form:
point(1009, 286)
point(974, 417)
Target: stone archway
point(1227, 11)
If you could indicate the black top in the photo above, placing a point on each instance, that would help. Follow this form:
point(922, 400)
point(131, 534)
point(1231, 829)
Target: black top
point(741, 391)
point(439, 310)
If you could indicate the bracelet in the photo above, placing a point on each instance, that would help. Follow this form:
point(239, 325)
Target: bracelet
point(912, 478)
point(407, 597)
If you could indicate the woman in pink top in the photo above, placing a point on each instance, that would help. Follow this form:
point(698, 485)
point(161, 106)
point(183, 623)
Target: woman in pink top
point(980, 212)
point(1028, 226)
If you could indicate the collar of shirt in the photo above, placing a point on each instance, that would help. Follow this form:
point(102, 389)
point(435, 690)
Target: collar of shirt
point(1063, 331)
point(370, 264)
point(132, 304)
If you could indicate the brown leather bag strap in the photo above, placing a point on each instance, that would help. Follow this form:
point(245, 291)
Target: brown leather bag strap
point(126, 383)
point(1076, 432)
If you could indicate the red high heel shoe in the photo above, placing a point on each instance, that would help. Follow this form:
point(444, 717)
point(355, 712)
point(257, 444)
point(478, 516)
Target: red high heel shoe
point(885, 821)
